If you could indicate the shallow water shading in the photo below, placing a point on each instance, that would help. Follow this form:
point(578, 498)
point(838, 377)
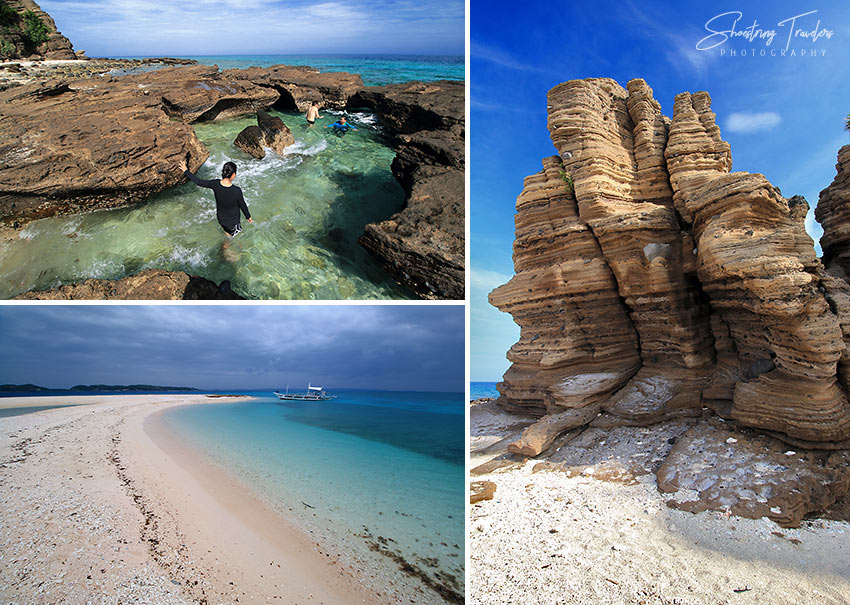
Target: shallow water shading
point(310, 206)
point(378, 502)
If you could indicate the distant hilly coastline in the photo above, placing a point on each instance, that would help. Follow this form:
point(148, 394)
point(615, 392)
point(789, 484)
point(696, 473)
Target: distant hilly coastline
point(88, 388)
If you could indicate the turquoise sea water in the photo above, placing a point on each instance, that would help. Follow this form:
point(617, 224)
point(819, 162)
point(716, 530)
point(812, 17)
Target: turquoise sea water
point(375, 70)
point(310, 206)
point(371, 464)
point(477, 390)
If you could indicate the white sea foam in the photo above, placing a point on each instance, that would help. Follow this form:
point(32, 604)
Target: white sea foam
point(301, 148)
point(192, 258)
point(28, 232)
point(102, 269)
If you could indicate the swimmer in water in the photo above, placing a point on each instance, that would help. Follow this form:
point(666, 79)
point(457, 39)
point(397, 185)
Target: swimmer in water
point(341, 127)
point(313, 113)
point(228, 198)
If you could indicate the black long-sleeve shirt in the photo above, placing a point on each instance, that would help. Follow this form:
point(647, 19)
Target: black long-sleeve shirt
point(228, 200)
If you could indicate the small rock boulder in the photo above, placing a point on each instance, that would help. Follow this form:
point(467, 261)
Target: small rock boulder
point(250, 141)
point(275, 132)
point(269, 132)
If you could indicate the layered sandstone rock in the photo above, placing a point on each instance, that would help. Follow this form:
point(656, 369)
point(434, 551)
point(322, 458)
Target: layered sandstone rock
point(296, 87)
point(68, 148)
point(833, 213)
point(201, 93)
point(57, 46)
point(151, 284)
point(423, 246)
point(651, 282)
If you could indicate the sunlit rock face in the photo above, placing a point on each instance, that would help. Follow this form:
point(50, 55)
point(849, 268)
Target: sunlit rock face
point(651, 283)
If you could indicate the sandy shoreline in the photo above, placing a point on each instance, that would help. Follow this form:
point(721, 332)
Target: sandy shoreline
point(548, 537)
point(99, 501)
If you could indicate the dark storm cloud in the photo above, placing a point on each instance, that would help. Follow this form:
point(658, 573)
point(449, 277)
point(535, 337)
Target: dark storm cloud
point(238, 347)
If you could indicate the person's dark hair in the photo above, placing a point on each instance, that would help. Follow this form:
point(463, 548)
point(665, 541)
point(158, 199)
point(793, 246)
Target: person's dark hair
point(228, 170)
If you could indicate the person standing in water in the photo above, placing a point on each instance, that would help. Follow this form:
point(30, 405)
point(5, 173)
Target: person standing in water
point(228, 198)
point(341, 126)
point(313, 113)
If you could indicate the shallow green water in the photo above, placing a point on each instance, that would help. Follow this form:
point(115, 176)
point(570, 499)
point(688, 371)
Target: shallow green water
point(309, 207)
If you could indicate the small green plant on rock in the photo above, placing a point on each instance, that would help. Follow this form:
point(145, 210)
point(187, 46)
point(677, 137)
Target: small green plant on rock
point(7, 49)
point(8, 15)
point(847, 123)
point(568, 181)
point(34, 29)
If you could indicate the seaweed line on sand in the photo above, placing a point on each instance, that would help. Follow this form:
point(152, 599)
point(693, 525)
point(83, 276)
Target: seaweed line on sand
point(444, 584)
point(173, 561)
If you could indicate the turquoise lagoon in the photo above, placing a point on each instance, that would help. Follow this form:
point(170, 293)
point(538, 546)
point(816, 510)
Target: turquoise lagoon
point(377, 468)
point(310, 206)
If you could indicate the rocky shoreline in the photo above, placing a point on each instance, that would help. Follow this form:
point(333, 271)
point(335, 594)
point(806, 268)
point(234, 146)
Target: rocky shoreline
point(81, 137)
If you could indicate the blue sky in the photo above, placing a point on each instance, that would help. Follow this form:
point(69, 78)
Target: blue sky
point(416, 348)
point(783, 115)
point(242, 27)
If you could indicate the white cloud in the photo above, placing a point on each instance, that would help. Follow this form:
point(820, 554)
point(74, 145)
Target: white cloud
point(748, 121)
point(482, 279)
point(497, 56)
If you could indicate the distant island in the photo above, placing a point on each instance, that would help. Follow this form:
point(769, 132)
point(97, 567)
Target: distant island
point(88, 388)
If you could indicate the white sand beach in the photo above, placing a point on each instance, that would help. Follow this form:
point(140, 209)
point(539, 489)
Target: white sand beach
point(547, 537)
point(100, 503)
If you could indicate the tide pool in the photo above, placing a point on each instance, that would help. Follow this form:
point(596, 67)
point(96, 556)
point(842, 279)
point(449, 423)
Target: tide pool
point(382, 471)
point(310, 206)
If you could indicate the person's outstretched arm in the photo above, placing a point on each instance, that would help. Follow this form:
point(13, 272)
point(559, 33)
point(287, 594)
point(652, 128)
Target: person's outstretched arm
point(196, 180)
point(244, 207)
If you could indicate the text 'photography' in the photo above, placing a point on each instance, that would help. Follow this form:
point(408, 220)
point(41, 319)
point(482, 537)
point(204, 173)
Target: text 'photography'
point(666, 419)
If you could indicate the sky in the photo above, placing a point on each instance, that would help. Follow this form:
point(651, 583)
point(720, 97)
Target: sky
point(782, 115)
point(110, 28)
point(245, 347)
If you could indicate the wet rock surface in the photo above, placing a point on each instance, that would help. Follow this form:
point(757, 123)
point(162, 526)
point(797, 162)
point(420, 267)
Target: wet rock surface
point(151, 284)
point(653, 285)
point(269, 132)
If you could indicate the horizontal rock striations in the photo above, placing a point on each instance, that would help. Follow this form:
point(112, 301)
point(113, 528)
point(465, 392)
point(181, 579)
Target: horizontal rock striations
point(73, 147)
point(423, 246)
point(833, 213)
point(651, 282)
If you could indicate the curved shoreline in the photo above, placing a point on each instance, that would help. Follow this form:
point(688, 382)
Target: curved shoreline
point(161, 522)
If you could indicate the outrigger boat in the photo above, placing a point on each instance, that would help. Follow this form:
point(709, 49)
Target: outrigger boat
point(312, 394)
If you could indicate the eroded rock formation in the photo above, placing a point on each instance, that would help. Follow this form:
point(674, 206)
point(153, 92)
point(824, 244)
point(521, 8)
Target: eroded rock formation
point(296, 87)
point(15, 42)
point(73, 145)
point(698, 287)
point(69, 147)
point(423, 245)
point(652, 283)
